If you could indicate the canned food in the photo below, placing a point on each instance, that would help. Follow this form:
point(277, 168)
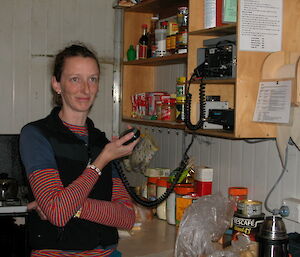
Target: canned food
point(249, 226)
point(249, 208)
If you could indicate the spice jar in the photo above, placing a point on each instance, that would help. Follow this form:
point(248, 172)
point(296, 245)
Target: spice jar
point(183, 200)
point(237, 194)
point(161, 209)
point(151, 188)
point(168, 110)
point(158, 106)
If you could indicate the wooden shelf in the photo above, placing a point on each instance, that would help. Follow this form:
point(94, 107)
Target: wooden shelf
point(156, 123)
point(215, 81)
point(217, 31)
point(156, 6)
point(159, 61)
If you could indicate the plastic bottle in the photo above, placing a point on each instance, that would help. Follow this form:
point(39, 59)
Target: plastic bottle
point(161, 209)
point(131, 53)
point(180, 86)
point(143, 43)
point(160, 39)
point(180, 102)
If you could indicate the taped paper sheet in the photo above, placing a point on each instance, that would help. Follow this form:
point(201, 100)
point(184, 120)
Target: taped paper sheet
point(273, 102)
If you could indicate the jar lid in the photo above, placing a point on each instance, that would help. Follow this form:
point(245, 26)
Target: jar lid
point(184, 190)
point(180, 98)
point(152, 172)
point(171, 101)
point(237, 191)
point(153, 180)
point(162, 182)
point(181, 79)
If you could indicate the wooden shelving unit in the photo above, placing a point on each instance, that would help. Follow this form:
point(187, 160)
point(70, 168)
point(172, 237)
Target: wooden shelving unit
point(158, 61)
point(240, 92)
point(218, 31)
point(155, 123)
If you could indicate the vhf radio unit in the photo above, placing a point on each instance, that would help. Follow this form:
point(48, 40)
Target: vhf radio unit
point(218, 58)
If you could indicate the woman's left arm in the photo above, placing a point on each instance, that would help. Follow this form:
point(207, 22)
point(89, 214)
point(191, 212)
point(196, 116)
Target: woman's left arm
point(117, 213)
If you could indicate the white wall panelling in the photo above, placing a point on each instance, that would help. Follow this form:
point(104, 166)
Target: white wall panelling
point(238, 163)
point(32, 31)
point(166, 77)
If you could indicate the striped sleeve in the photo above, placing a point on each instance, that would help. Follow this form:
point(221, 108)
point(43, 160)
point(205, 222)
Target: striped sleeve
point(117, 213)
point(60, 203)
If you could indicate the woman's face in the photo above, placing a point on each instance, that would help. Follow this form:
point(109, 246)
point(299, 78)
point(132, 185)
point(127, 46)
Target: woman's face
point(79, 83)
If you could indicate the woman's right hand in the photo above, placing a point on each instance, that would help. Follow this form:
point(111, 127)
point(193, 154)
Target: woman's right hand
point(34, 206)
point(115, 150)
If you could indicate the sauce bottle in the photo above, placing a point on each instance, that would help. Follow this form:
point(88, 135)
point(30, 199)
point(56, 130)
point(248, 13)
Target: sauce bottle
point(143, 43)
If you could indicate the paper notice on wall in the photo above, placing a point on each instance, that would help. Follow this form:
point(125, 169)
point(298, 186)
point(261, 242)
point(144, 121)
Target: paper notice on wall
point(273, 102)
point(260, 25)
point(210, 12)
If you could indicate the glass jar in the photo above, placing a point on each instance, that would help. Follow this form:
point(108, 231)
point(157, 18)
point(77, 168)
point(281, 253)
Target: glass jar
point(161, 209)
point(168, 110)
point(183, 200)
point(151, 188)
point(237, 194)
point(158, 106)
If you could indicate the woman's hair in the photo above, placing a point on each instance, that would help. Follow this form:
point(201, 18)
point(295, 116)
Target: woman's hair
point(78, 49)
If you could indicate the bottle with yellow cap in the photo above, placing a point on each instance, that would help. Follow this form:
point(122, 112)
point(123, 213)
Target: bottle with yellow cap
point(180, 86)
point(180, 98)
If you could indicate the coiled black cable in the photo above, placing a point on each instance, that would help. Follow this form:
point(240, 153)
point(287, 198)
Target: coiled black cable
point(187, 106)
point(163, 197)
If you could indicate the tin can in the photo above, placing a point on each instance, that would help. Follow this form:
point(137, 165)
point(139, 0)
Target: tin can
point(249, 226)
point(249, 208)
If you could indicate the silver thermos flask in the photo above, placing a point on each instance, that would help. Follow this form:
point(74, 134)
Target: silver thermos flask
point(273, 239)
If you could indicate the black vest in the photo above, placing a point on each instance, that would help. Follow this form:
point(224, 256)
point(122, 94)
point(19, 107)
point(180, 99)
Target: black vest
point(72, 156)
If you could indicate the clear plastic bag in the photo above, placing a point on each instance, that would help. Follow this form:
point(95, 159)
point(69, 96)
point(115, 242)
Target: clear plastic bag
point(202, 225)
point(141, 156)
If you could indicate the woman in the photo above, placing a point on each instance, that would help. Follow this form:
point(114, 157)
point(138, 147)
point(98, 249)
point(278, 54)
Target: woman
point(79, 199)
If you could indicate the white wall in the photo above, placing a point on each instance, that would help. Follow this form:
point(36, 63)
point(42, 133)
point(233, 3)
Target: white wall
point(235, 163)
point(31, 32)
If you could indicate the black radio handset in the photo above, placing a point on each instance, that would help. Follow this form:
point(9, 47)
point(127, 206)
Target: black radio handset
point(199, 72)
point(136, 135)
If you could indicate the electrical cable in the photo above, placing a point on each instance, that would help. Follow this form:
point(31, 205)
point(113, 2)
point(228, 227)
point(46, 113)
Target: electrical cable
point(284, 169)
point(163, 197)
point(254, 141)
point(198, 72)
